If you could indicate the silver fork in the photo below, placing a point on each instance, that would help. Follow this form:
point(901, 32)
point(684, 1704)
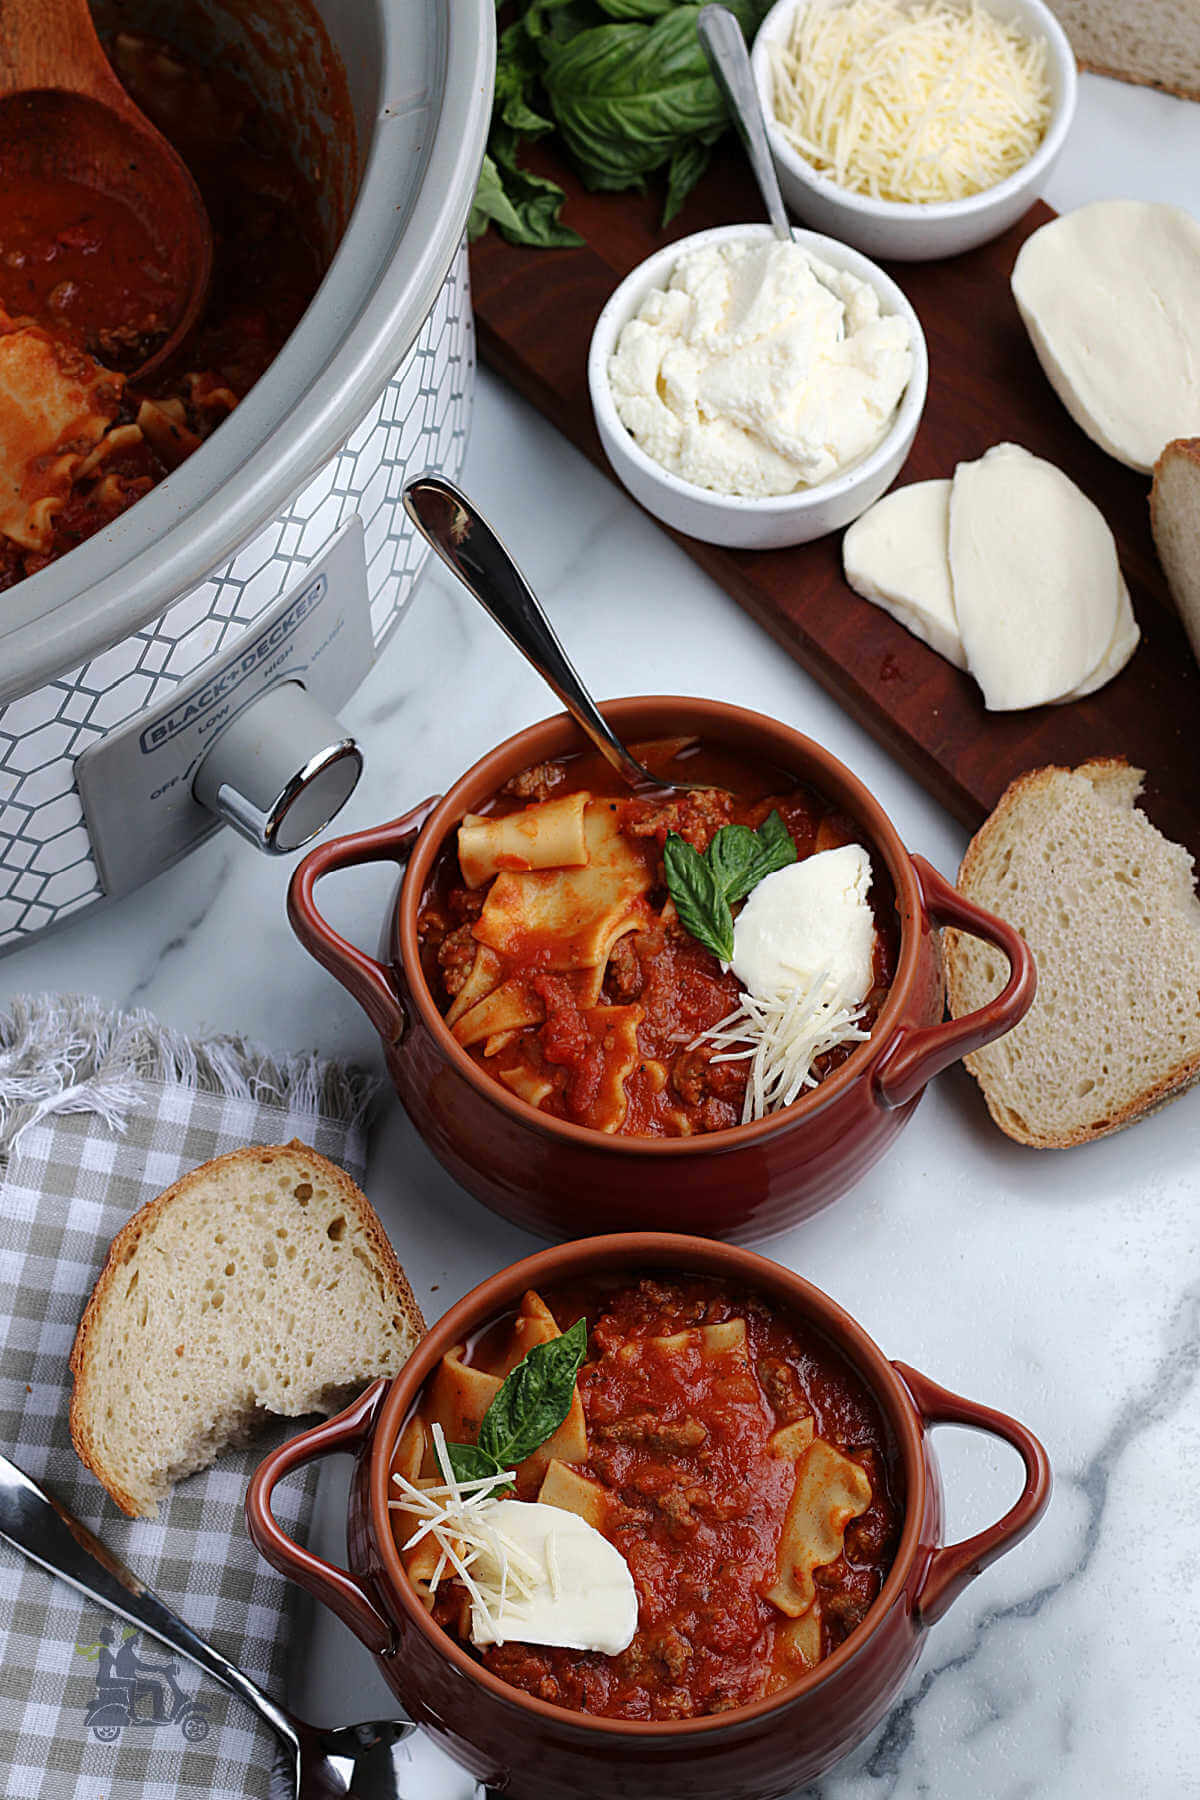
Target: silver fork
point(311, 1764)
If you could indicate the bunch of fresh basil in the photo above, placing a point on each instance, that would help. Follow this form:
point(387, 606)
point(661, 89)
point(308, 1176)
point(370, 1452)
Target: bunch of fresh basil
point(627, 87)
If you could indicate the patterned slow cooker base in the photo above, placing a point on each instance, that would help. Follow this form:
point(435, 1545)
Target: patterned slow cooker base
point(419, 421)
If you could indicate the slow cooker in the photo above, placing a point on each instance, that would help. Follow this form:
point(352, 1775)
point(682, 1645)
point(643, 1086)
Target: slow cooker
point(185, 665)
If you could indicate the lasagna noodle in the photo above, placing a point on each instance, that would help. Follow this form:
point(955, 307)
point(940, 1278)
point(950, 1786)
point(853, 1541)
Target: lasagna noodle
point(830, 1490)
point(510, 1007)
point(485, 977)
point(614, 1030)
point(527, 1084)
point(546, 836)
point(728, 1338)
point(55, 406)
point(566, 1488)
point(568, 918)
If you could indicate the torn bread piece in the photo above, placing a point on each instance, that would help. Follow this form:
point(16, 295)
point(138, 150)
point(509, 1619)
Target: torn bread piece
point(1175, 520)
point(260, 1283)
point(1109, 909)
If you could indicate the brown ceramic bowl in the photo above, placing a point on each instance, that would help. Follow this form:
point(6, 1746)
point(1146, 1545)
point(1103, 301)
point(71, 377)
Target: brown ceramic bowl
point(560, 1179)
point(532, 1750)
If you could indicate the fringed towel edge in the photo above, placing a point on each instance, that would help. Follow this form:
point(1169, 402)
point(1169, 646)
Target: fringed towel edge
point(64, 1053)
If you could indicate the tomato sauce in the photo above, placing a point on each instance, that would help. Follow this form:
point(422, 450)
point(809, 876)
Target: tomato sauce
point(84, 265)
point(678, 984)
point(84, 268)
point(696, 1499)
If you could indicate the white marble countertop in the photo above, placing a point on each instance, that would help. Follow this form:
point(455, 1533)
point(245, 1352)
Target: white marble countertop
point(1064, 1288)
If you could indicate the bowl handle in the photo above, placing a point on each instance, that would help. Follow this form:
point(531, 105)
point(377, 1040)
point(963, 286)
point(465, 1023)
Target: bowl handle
point(371, 984)
point(951, 1568)
point(339, 1591)
point(920, 1052)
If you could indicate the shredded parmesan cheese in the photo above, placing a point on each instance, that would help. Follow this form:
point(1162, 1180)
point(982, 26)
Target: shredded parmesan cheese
point(485, 1559)
point(911, 100)
point(782, 1035)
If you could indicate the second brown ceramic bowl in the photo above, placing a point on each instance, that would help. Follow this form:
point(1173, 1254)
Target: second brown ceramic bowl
point(561, 1179)
point(532, 1750)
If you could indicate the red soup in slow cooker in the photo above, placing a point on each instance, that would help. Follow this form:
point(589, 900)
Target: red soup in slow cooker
point(79, 443)
point(552, 943)
point(732, 1456)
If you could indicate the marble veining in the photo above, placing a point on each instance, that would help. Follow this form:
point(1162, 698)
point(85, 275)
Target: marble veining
point(1062, 1287)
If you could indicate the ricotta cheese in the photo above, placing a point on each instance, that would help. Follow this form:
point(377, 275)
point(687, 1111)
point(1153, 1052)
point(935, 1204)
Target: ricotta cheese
point(533, 1572)
point(759, 369)
point(811, 921)
point(583, 1597)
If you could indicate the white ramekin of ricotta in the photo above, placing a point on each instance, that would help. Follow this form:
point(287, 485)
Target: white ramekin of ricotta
point(757, 394)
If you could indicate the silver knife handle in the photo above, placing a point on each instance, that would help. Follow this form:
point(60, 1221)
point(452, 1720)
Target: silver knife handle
point(34, 1523)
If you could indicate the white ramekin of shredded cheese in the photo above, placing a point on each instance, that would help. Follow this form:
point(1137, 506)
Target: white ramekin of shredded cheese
point(914, 128)
point(783, 403)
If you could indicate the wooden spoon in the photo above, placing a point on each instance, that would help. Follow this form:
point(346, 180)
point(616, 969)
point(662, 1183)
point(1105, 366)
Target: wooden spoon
point(65, 118)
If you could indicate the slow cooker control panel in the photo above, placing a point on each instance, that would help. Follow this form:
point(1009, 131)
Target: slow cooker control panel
point(253, 739)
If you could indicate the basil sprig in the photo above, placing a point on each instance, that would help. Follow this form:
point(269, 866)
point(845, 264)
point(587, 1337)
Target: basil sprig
point(706, 888)
point(531, 1404)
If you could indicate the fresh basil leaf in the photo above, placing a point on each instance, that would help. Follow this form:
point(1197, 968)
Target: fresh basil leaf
point(470, 1463)
point(730, 854)
point(518, 70)
point(771, 847)
point(635, 9)
point(706, 888)
point(559, 19)
point(687, 166)
point(699, 898)
point(524, 207)
point(534, 1399)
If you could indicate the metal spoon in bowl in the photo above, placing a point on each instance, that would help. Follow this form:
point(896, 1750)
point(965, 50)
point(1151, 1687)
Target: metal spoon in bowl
point(311, 1764)
point(467, 544)
point(725, 47)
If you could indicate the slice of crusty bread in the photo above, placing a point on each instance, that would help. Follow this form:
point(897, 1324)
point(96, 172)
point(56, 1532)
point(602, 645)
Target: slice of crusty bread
point(260, 1283)
point(1175, 519)
point(1153, 42)
point(1107, 905)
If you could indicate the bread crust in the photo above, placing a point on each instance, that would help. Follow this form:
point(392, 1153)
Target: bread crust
point(1185, 449)
point(125, 1245)
point(1146, 81)
point(1185, 1074)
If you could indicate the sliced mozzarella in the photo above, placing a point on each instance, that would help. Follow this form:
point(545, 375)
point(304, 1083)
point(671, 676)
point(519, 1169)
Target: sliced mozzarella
point(1108, 294)
point(897, 556)
point(811, 919)
point(1125, 639)
point(566, 1584)
point(1035, 576)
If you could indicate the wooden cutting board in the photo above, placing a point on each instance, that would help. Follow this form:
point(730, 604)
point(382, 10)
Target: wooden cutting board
point(535, 310)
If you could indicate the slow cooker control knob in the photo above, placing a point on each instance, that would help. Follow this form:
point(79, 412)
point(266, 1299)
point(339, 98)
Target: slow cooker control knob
point(280, 770)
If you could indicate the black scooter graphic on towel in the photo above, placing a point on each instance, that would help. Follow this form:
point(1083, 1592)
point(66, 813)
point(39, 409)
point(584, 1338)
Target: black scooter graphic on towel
point(139, 1690)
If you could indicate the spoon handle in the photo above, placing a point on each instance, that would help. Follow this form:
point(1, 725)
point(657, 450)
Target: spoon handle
point(725, 48)
point(44, 1531)
point(467, 544)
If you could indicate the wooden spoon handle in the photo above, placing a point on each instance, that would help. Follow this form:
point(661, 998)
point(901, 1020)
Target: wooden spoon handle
point(53, 44)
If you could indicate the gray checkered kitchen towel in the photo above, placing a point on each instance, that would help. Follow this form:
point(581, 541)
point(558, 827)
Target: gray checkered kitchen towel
point(99, 1113)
